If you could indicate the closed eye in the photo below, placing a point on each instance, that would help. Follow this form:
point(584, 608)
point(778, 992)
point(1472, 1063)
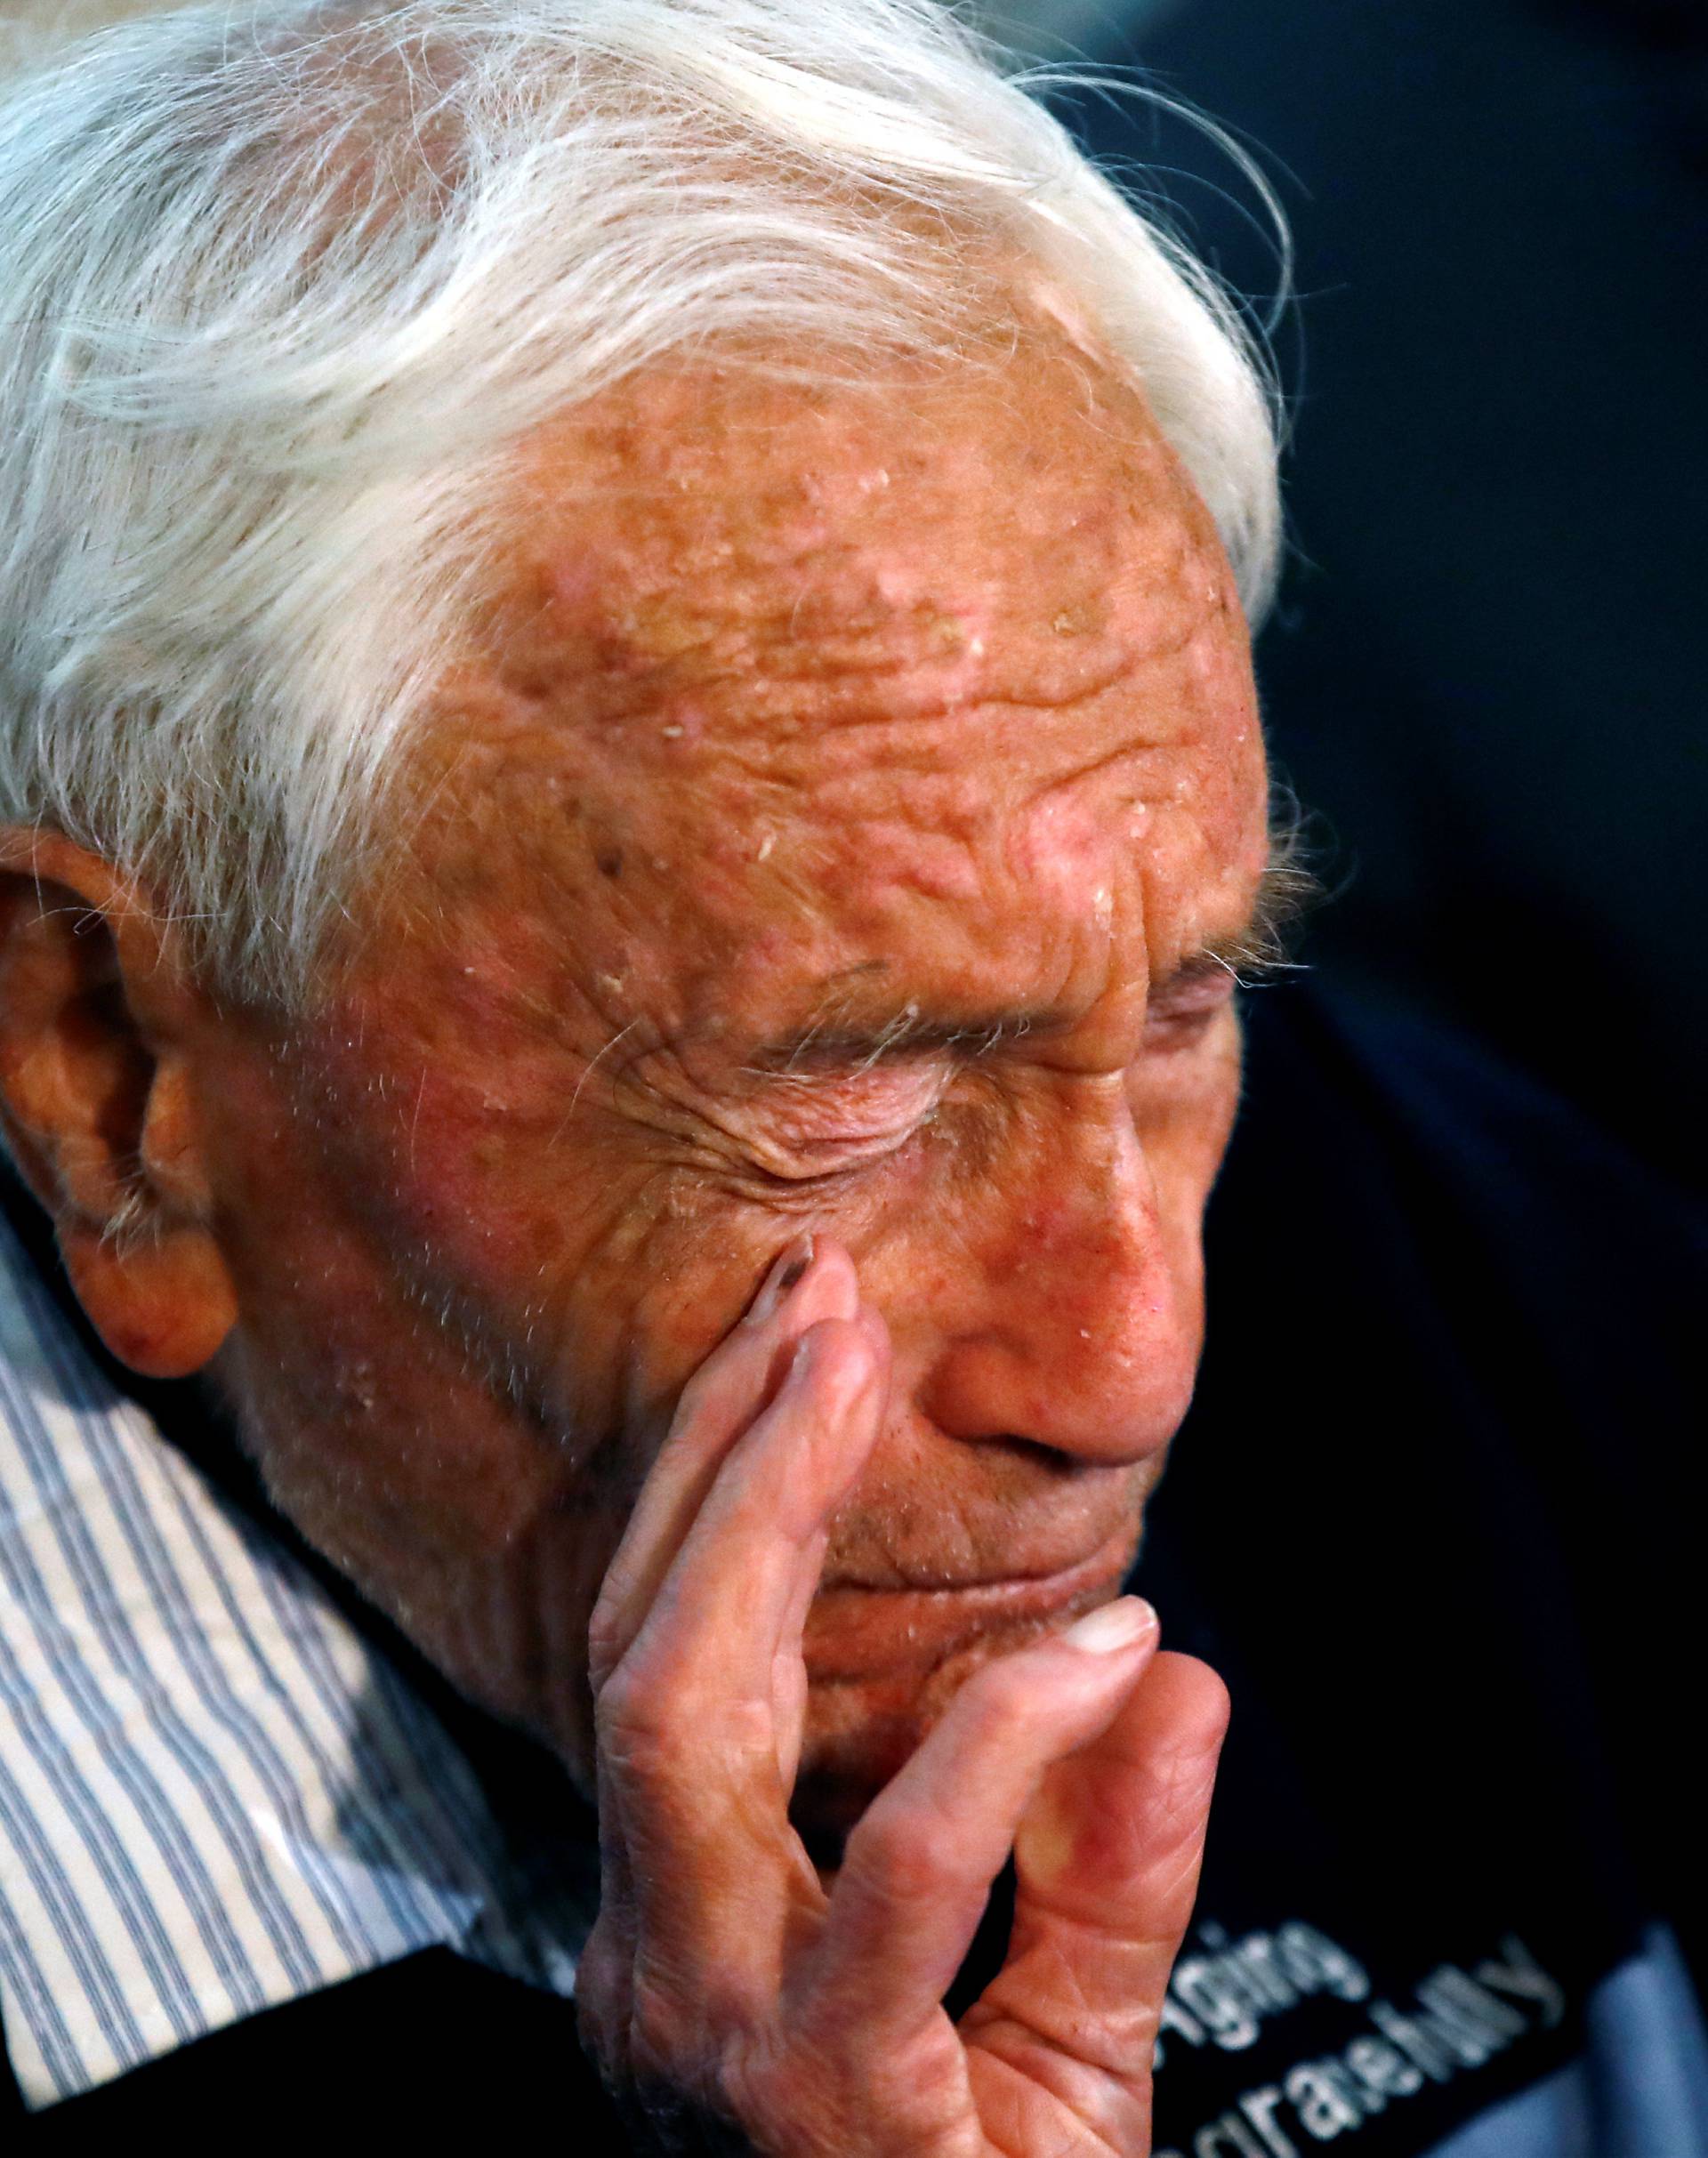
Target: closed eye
point(1183, 1010)
point(814, 1123)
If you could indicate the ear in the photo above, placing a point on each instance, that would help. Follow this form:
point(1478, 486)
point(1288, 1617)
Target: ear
point(99, 1018)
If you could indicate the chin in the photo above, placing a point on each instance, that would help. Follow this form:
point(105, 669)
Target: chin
point(862, 1727)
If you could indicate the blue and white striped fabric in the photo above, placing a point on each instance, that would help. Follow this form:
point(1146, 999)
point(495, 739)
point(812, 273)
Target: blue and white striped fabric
point(216, 1794)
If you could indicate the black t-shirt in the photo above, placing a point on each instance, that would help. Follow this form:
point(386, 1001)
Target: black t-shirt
point(1431, 1516)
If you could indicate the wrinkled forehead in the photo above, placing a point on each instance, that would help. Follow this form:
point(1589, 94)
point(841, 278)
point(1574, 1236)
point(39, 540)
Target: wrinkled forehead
point(875, 662)
point(699, 543)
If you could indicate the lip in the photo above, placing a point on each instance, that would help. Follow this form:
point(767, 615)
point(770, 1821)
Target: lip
point(857, 1630)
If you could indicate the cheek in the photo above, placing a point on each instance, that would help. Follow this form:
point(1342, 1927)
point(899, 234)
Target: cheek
point(602, 1275)
point(683, 1293)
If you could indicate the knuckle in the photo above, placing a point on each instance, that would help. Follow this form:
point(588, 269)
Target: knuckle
point(670, 1729)
point(1003, 1701)
point(842, 1360)
point(605, 1643)
point(634, 1722)
point(904, 1855)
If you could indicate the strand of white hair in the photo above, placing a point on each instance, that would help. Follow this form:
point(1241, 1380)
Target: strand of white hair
point(279, 285)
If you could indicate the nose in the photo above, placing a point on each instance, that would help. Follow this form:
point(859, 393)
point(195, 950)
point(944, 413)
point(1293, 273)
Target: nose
point(1074, 1310)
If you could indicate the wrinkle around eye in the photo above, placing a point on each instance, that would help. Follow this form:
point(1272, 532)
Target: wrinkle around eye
point(789, 1128)
point(831, 1159)
point(811, 1124)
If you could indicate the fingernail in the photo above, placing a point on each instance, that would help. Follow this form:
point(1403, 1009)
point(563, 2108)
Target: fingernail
point(786, 1268)
point(1117, 1626)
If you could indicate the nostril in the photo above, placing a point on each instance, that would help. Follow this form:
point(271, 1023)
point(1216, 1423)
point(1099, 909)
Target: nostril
point(1037, 1455)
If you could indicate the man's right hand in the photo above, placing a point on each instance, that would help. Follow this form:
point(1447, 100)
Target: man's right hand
point(730, 2000)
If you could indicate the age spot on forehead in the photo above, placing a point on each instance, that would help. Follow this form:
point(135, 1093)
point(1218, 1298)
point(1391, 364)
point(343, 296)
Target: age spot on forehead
point(699, 554)
point(946, 674)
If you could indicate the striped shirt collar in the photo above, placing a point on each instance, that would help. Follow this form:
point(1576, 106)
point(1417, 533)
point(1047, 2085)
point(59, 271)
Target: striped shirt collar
point(218, 1793)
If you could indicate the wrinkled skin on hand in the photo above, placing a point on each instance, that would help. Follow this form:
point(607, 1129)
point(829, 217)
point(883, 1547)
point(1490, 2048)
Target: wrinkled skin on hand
point(838, 820)
point(734, 1998)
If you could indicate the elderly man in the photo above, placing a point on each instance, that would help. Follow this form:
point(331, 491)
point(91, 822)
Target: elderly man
point(635, 799)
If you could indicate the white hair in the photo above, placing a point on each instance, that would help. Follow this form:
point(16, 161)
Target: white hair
point(280, 290)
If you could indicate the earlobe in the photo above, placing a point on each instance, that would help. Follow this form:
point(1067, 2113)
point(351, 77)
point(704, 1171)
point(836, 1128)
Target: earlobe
point(163, 1304)
point(96, 1106)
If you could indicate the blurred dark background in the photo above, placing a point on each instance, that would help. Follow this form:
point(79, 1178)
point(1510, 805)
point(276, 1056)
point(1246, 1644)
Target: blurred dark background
point(1486, 668)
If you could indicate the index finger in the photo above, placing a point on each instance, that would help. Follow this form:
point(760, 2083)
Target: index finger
point(811, 1279)
point(717, 1621)
point(692, 1759)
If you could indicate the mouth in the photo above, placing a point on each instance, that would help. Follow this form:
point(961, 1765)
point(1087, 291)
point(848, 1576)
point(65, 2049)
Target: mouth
point(856, 1629)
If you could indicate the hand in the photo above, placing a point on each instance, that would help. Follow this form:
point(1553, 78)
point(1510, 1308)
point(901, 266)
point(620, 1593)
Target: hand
point(730, 2000)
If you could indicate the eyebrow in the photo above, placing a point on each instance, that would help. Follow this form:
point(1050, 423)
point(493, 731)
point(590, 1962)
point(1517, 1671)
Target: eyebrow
point(1254, 954)
point(1287, 890)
